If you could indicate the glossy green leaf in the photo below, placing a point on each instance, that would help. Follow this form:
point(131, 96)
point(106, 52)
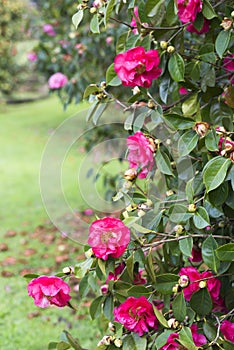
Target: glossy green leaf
point(226, 252)
point(190, 105)
point(222, 42)
point(62, 345)
point(201, 218)
point(109, 9)
point(94, 24)
point(163, 162)
point(179, 307)
point(186, 246)
point(186, 339)
point(176, 121)
point(162, 338)
point(176, 67)
point(72, 341)
point(201, 302)
point(130, 266)
point(210, 331)
point(77, 18)
point(215, 172)
point(137, 291)
point(160, 317)
point(211, 141)
point(208, 253)
point(96, 307)
point(165, 282)
point(108, 307)
point(111, 77)
point(134, 342)
point(208, 10)
point(178, 213)
point(149, 267)
point(187, 142)
point(90, 90)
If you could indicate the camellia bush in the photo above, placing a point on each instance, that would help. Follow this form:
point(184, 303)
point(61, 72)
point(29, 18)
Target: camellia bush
point(163, 270)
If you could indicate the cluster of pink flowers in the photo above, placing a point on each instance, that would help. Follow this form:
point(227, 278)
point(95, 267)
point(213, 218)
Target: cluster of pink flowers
point(108, 237)
point(137, 315)
point(213, 284)
point(57, 81)
point(141, 153)
point(32, 56)
point(49, 30)
point(137, 67)
point(48, 291)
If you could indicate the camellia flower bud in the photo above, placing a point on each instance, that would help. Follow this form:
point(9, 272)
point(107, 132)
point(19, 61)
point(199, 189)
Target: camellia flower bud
point(176, 288)
point(118, 342)
point(173, 323)
point(192, 208)
point(202, 284)
point(201, 128)
point(111, 327)
point(130, 174)
point(232, 14)
point(89, 253)
point(163, 45)
point(179, 229)
point(106, 340)
point(169, 193)
point(151, 104)
point(93, 10)
point(68, 270)
point(184, 281)
point(104, 289)
point(171, 49)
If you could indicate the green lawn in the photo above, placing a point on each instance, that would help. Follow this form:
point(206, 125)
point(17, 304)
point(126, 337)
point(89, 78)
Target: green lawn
point(25, 130)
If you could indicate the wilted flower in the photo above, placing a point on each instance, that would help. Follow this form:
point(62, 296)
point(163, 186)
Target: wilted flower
point(137, 315)
point(196, 255)
point(32, 56)
point(226, 146)
point(205, 28)
point(130, 174)
point(50, 290)
point(137, 67)
point(57, 80)
point(108, 237)
point(140, 153)
point(201, 128)
point(227, 328)
point(188, 10)
point(49, 29)
point(226, 23)
point(199, 339)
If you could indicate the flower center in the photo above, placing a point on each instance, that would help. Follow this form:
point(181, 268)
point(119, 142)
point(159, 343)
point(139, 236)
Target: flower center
point(106, 236)
point(140, 68)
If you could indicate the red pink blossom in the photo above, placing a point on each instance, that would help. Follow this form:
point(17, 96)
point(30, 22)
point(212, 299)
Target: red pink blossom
point(188, 10)
point(199, 339)
point(48, 291)
point(137, 315)
point(228, 65)
point(205, 28)
point(227, 328)
point(140, 154)
point(137, 67)
point(57, 81)
point(108, 237)
point(49, 30)
point(32, 56)
point(171, 344)
point(133, 22)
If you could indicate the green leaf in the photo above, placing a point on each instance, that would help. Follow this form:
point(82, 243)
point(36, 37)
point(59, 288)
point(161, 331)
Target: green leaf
point(228, 345)
point(150, 5)
point(187, 142)
point(226, 252)
point(52, 345)
point(130, 266)
point(84, 286)
point(210, 331)
point(94, 24)
point(186, 339)
point(98, 112)
point(111, 77)
point(178, 213)
point(160, 317)
point(134, 342)
point(137, 291)
point(108, 307)
point(77, 18)
point(91, 89)
point(179, 307)
point(176, 121)
point(162, 338)
point(72, 341)
point(96, 307)
point(176, 67)
point(222, 42)
point(186, 246)
point(190, 105)
point(208, 254)
point(211, 141)
point(201, 302)
point(165, 282)
point(163, 162)
point(215, 172)
point(108, 11)
point(201, 218)
point(208, 10)
point(62, 345)
point(149, 267)
point(102, 266)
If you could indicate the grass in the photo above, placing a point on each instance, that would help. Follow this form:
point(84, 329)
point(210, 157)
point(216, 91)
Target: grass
point(31, 243)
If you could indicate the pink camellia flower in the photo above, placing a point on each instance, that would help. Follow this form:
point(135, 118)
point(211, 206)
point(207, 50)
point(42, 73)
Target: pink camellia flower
point(108, 237)
point(227, 328)
point(140, 153)
point(171, 344)
point(193, 275)
point(133, 22)
point(213, 285)
point(226, 146)
point(49, 30)
point(199, 339)
point(57, 80)
point(205, 28)
point(137, 315)
point(137, 67)
point(196, 255)
point(188, 10)
point(32, 56)
point(50, 290)
point(183, 90)
point(114, 276)
point(228, 65)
